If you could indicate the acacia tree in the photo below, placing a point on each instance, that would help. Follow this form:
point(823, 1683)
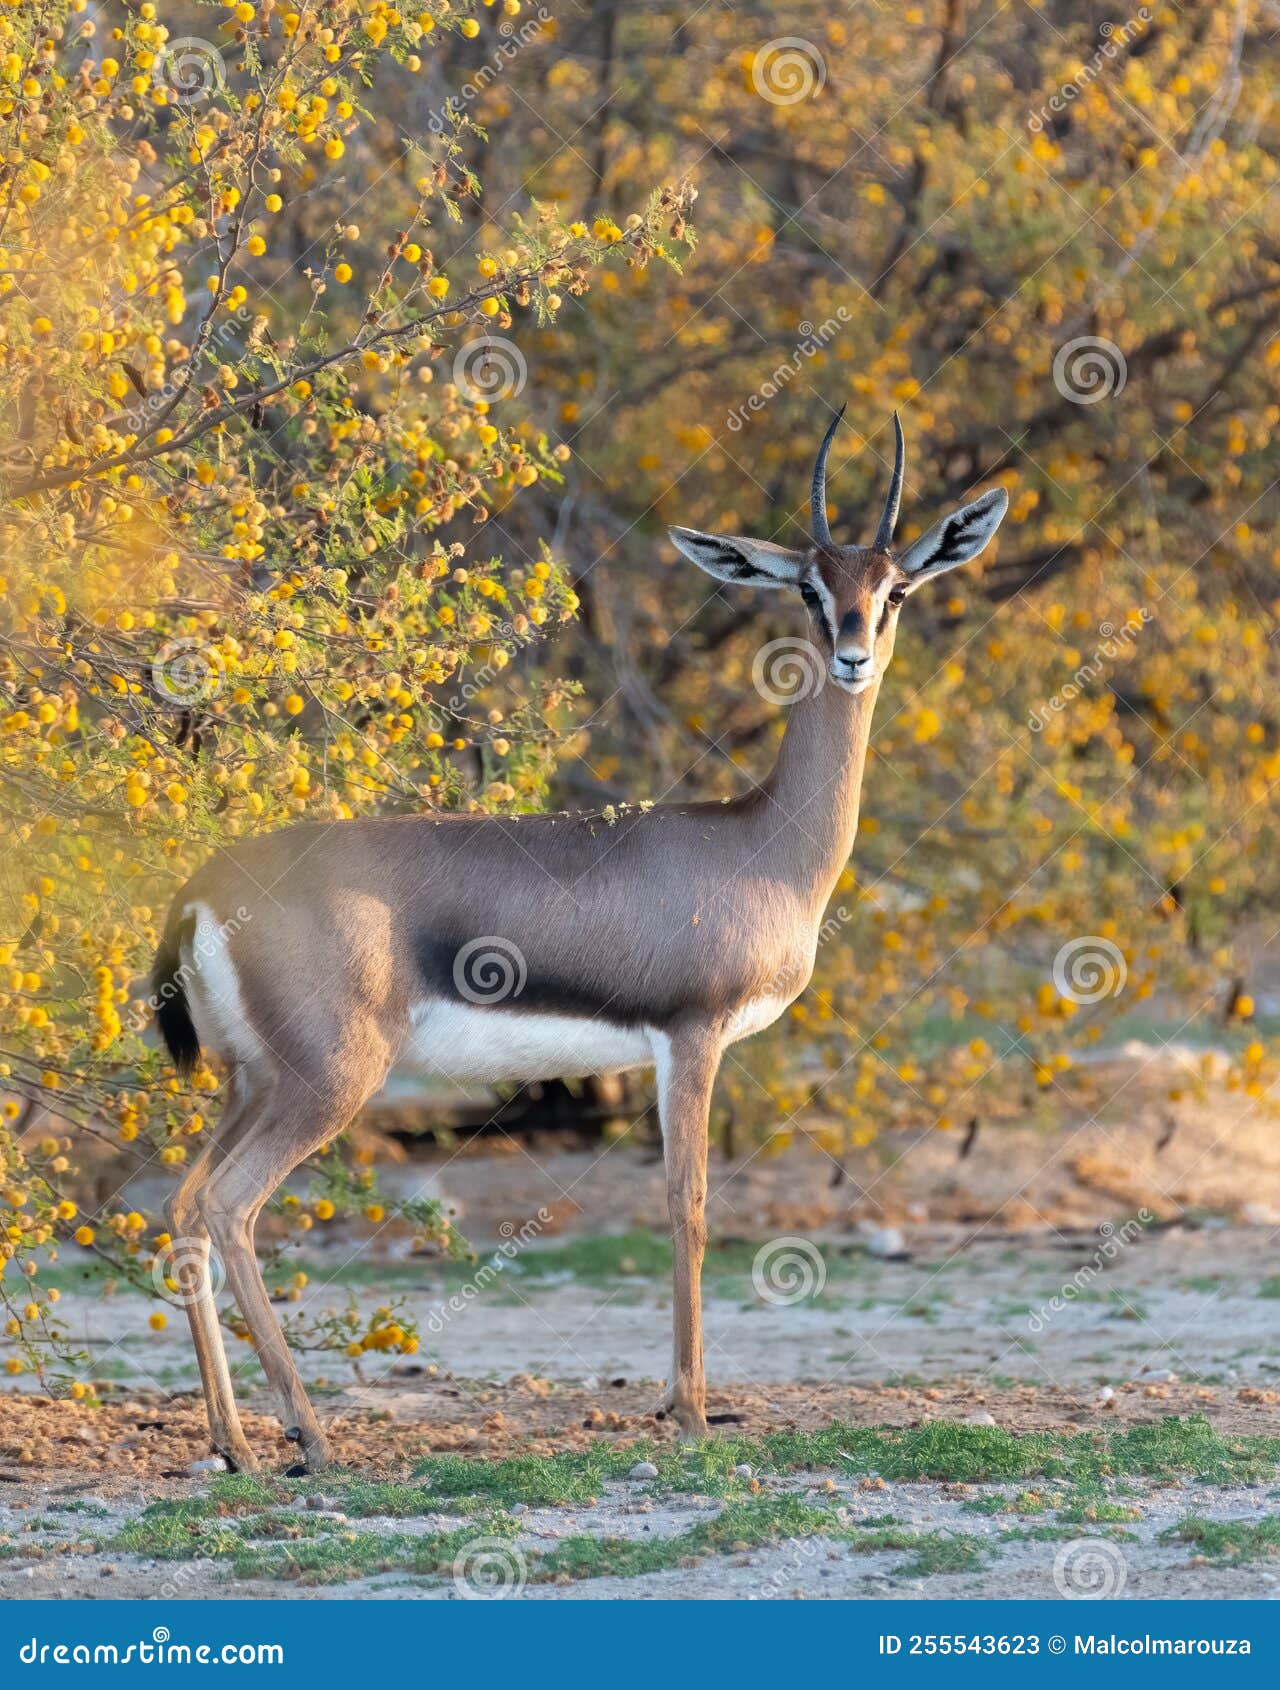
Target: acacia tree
point(250, 357)
point(1050, 238)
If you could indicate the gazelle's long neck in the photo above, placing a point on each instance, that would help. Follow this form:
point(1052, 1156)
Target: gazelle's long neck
point(816, 785)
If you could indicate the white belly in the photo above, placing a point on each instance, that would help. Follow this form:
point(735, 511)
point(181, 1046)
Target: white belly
point(462, 1043)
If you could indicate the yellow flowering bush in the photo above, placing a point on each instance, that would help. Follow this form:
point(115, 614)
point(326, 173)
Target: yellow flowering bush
point(247, 371)
point(1053, 245)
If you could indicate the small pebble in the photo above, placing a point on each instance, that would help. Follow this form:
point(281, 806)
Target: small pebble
point(743, 1471)
point(981, 1420)
point(885, 1242)
point(210, 1464)
point(1106, 1394)
point(643, 1470)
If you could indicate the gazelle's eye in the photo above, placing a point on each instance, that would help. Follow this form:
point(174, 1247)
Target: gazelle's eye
point(897, 594)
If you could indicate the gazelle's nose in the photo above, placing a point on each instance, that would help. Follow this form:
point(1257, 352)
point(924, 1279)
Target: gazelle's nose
point(852, 665)
point(853, 656)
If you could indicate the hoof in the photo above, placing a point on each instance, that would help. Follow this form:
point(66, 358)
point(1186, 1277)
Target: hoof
point(691, 1421)
point(694, 1431)
point(313, 1461)
point(239, 1460)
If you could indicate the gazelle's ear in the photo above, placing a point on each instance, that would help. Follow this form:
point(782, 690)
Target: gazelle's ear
point(955, 539)
point(757, 562)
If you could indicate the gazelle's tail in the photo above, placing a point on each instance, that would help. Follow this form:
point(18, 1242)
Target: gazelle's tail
point(169, 992)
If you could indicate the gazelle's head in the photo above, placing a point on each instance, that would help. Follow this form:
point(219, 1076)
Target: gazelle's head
point(853, 593)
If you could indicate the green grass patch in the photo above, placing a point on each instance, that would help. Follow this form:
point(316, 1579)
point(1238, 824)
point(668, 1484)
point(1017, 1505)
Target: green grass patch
point(1231, 1542)
point(939, 1450)
point(1061, 1533)
point(257, 1526)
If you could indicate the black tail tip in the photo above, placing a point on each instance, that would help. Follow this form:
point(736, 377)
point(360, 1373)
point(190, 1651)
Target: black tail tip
point(178, 1032)
point(173, 1017)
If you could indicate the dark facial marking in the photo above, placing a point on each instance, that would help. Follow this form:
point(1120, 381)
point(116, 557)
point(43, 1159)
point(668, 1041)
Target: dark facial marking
point(813, 600)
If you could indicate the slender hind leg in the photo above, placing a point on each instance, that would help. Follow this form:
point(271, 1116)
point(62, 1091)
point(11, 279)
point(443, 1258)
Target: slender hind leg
point(190, 1253)
point(686, 1074)
point(287, 1125)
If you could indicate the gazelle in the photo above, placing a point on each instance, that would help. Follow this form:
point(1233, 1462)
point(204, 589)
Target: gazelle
point(496, 948)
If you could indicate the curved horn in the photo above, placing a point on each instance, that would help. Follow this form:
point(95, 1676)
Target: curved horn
point(818, 495)
point(889, 519)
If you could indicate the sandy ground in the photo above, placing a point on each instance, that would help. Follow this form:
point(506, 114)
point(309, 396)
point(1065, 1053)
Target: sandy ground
point(1052, 1308)
point(964, 1329)
point(59, 1554)
point(1007, 1286)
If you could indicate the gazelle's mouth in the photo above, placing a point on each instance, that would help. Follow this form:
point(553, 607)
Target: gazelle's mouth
point(852, 680)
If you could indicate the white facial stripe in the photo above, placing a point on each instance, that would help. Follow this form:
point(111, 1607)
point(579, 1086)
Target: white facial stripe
point(882, 601)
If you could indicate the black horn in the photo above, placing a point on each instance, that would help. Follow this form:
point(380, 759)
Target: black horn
point(818, 496)
point(889, 520)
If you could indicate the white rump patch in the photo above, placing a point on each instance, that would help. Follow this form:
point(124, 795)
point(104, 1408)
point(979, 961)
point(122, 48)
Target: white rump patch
point(213, 991)
point(473, 1045)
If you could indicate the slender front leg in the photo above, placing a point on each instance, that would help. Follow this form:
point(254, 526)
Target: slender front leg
point(686, 1072)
